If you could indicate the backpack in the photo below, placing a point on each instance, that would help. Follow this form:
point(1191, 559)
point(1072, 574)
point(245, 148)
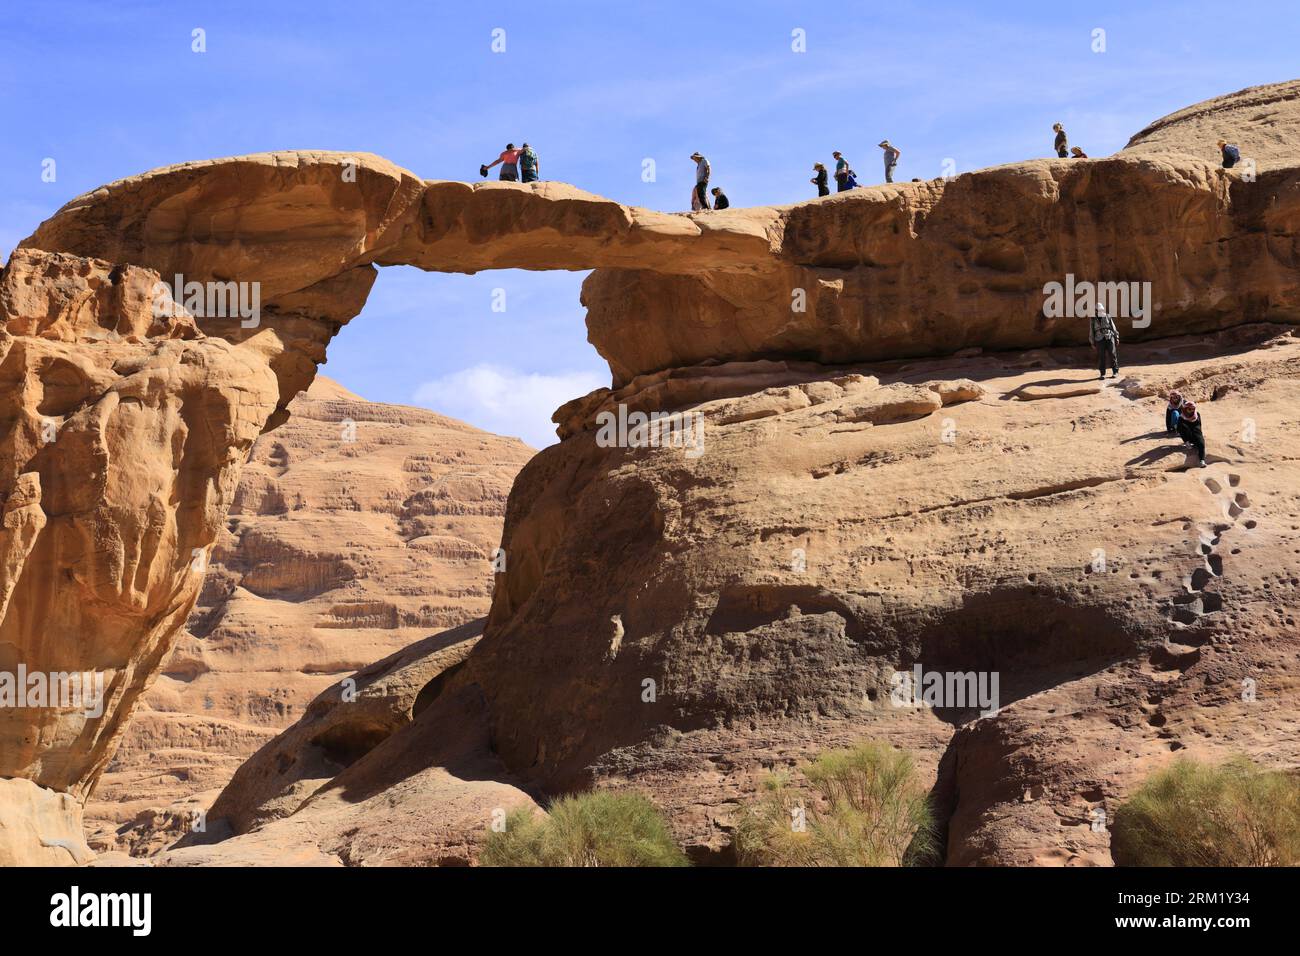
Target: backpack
point(1232, 152)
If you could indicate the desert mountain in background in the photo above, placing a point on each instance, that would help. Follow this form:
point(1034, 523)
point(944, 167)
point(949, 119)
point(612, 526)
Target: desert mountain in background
point(358, 528)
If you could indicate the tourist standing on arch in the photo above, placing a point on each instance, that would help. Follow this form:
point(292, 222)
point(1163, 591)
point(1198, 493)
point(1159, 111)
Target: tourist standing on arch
point(1062, 143)
point(821, 180)
point(841, 172)
point(702, 172)
point(528, 164)
point(892, 153)
point(509, 160)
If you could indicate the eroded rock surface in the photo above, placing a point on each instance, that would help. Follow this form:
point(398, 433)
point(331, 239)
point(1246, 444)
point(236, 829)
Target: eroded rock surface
point(123, 436)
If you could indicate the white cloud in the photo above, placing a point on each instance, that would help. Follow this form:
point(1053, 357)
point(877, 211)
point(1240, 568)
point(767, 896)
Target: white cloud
point(505, 400)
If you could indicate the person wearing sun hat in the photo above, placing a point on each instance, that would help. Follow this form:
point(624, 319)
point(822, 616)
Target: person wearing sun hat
point(821, 179)
point(892, 153)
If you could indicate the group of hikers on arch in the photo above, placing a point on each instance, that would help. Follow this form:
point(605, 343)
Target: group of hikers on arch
point(522, 165)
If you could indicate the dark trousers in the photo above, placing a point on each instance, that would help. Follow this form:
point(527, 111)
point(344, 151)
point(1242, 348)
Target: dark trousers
point(509, 174)
point(1107, 354)
point(702, 190)
point(1196, 437)
point(841, 183)
point(530, 175)
point(823, 190)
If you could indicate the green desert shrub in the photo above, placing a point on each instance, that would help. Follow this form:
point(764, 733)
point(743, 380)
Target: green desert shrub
point(1195, 814)
point(863, 806)
point(601, 828)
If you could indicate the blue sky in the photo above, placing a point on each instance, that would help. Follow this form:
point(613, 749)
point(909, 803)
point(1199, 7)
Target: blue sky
point(110, 89)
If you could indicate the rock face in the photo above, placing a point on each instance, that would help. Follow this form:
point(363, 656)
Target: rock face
point(123, 435)
point(357, 529)
point(680, 618)
point(856, 527)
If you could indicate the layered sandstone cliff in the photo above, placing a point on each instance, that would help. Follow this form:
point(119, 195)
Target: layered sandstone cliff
point(850, 513)
point(357, 529)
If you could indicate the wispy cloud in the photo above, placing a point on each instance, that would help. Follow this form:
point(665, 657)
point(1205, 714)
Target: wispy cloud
point(505, 400)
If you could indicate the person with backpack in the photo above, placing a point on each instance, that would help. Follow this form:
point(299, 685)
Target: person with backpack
point(891, 158)
point(1231, 154)
point(821, 180)
point(1104, 336)
point(720, 200)
point(1189, 427)
point(509, 160)
point(841, 172)
point(702, 173)
point(1172, 413)
point(1061, 145)
point(528, 164)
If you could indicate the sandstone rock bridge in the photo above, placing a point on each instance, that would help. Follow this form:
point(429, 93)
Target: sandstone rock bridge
point(106, 519)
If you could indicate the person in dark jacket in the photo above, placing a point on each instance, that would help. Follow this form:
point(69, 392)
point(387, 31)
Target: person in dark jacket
point(1189, 427)
point(720, 200)
point(1104, 337)
point(1231, 154)
point(1062, 142)
point(821, 180)
point(1172, 413)
point(1077, 153)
